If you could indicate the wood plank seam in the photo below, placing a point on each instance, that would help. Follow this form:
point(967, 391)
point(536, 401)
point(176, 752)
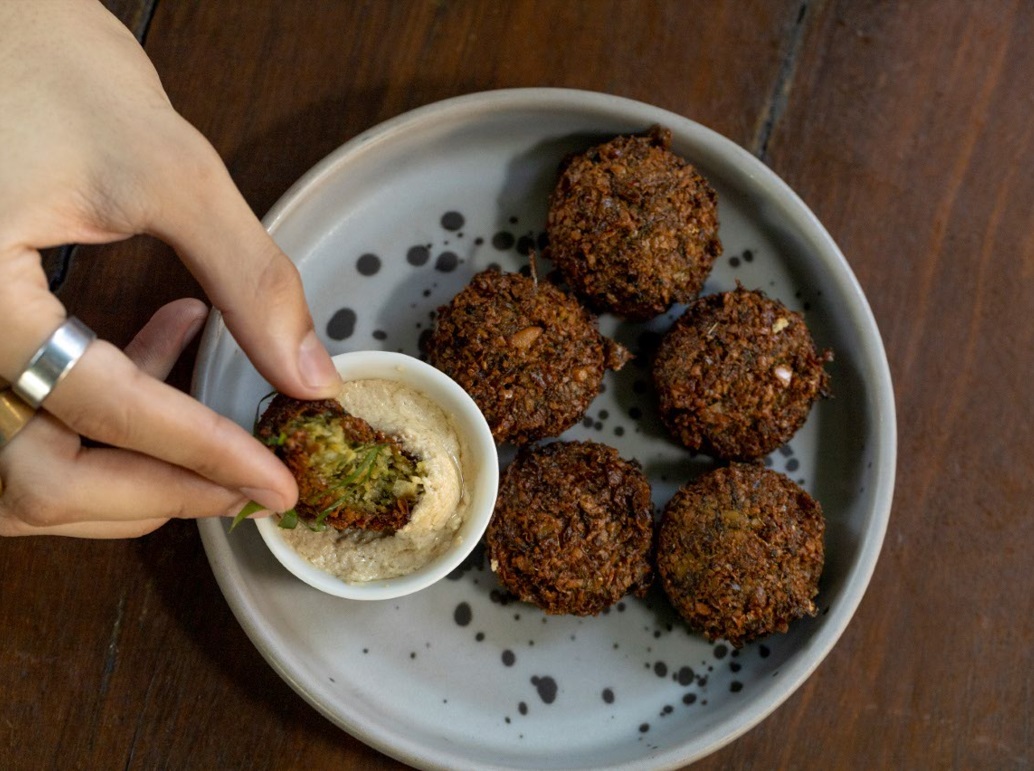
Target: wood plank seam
point(776, 104)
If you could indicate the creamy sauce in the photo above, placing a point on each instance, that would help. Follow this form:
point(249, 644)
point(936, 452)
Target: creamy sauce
point(426, 432)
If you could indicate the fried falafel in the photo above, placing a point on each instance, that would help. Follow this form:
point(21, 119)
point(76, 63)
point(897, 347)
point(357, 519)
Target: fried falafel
point(740, 553)
point(572, 530)
point(632, 227)
point(529, 355)
point(737, 375)
point(349, 475)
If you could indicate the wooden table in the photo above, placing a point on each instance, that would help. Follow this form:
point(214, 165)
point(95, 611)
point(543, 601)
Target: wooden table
point(907, 127)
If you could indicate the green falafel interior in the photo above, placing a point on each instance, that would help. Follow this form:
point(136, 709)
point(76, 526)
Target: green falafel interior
point(349, 475)
point(363, 477)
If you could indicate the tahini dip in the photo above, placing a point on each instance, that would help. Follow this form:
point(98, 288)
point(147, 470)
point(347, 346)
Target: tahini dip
point(426, 432)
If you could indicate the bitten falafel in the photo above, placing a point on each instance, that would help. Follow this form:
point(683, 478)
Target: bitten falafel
point(632, 227)
point(740, 553)
point(737, 374)
point(572, 530)
point(349, 475)
point(529, 355)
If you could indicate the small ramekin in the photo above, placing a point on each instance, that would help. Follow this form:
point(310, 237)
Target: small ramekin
point(482, 487)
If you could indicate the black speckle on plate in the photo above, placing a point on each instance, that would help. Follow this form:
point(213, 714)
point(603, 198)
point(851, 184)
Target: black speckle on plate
point(368, 264)
point(503, 240)
point(546, 687)
point(342, 324)
point(525, 245)
point(447, 262)
point(418, 255)
point(463, 614)
point(452, 220)
point(685, 676)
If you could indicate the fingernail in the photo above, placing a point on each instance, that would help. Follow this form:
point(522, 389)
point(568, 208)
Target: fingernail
point(314, 364)
point(268, 499)
point(191, 331)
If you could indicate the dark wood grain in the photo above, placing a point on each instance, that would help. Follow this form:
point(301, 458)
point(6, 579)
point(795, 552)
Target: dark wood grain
point(918, 166)
point(907, 127)
point(135, 14)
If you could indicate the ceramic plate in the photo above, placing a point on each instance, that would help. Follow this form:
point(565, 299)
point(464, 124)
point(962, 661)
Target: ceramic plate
point(391, 226)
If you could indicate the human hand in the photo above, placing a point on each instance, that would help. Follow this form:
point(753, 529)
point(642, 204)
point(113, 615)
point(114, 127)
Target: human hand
point(92, 151)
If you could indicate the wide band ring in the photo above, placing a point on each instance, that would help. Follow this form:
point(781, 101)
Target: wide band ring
point(52, 361)
point(14, 414)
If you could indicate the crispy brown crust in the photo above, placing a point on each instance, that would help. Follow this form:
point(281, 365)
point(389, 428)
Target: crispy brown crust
point(573, 528)
point(737, 374)
point(632, 227)
point(740, 553)
point(529, 355)
point(315, 492)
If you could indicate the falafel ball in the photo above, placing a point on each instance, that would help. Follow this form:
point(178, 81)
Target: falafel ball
point(632, 227)
point(529, 355)
point(572, 530)
point(740, 553)
point(349, 475)
point(737, 375)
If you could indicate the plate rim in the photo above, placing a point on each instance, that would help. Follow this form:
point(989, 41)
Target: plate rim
point(859, 574)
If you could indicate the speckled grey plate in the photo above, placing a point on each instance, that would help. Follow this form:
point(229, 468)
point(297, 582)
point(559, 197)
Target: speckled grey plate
point(392, 225)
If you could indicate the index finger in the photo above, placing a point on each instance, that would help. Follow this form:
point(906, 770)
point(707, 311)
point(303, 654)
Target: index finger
point(245, 274)
point(107, 398)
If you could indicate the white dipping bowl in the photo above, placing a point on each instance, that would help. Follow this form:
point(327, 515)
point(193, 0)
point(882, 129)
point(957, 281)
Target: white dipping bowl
point(482, 487)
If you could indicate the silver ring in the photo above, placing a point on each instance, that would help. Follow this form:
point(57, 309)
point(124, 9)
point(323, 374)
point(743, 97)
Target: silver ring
point(52, 361)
